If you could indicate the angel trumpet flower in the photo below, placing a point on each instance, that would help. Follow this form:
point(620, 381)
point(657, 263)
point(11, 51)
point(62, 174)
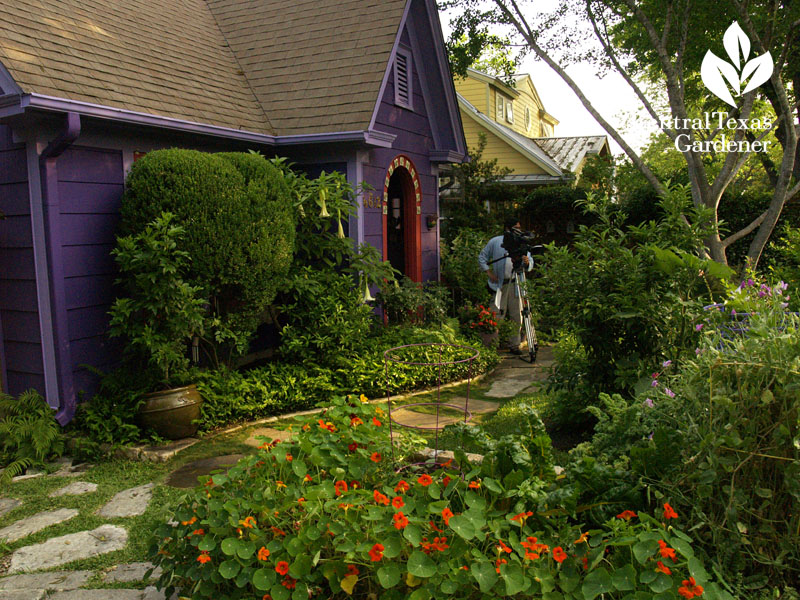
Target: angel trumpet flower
point(323, 208)
point(340, 232)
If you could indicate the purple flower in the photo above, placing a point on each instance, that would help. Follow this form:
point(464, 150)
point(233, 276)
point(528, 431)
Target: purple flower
point(733, 311)
point(666, 363)
point(669, 392)
point(698, 327)
point(648, 402)
point(697, 351)
point(650, 437)
point(654, 383)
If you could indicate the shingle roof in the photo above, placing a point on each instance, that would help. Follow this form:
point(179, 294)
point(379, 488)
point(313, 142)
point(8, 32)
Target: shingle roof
point(315, 65)
point(165, 57)
point(569, 152)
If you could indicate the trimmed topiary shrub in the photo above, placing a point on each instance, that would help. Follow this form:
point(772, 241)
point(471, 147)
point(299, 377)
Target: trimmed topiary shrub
point(239, 231)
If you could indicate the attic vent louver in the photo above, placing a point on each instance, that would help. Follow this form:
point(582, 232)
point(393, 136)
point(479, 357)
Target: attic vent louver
point(402, 79)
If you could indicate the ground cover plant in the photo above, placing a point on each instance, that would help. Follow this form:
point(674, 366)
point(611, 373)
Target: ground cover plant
point(327, 516)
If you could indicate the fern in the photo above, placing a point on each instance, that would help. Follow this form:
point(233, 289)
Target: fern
point(29, 433)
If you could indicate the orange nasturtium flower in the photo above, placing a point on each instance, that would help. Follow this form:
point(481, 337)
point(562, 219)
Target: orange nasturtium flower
point(690, 589)
point(660, 566)
point(447, 514)
point(397, 502)
point(582, 539)
point(355, 422)
point(380, 498)
point(282, 568)
point(198, 532)
point(498, 562)
point(289, 457)
point(400, 520)
point(474, 485)
point(627, 515)
point(376, 422)
point(248, 522)
point(279, 484)
point(263, 553)
point(289, 583)
point(307, 477)
point(558, 554)
point(352, 570)
point(502, 547)
point(363, 399)
point(329, 426)
point(376, 553)
point(402, 486)
point(376, 457)
point(424, 480)
point(190, 521)
point(204, 557)
point(669, 512)
point(666, 551)
point(521, 517)
point(340, 487)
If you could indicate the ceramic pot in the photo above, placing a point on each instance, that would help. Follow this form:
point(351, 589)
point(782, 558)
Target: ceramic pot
point(170, 412)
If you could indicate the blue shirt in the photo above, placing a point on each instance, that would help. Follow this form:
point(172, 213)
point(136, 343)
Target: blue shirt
point(492, 251)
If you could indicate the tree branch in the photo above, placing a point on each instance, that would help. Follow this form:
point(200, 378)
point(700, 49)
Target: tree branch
point(735, 237)
point(540, 52)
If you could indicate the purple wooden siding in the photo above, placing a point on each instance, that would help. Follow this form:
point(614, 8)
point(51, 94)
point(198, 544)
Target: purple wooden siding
point(21, 340)
point(90, 185)
point(415, 140)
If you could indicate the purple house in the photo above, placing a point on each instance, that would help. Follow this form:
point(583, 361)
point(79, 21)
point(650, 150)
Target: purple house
point(87, 86)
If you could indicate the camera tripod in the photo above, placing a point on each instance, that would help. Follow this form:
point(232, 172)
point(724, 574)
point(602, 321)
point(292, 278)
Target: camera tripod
point(518, 279)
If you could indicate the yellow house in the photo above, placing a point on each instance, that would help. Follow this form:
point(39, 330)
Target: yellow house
point(520, 132)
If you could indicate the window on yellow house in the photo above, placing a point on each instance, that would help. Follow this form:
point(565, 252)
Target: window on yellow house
point(509, 111)
point(501, 108)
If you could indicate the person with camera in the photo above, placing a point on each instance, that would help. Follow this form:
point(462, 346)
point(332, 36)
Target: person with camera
point(497, 261)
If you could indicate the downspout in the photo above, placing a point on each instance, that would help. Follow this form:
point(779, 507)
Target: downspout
point(48, 169)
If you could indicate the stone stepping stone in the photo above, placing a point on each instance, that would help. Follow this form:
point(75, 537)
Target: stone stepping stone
point(128, 503)
point(68, 548)
point(29, 525)
point(100, 594)
point(24, 595)
point(131, 572)
point(186, 476)
point(476, 407)
point(270, 434)
point(56, 581)
point(8, 504)
point(76, 488)
point(409, 418)
point(508, 387)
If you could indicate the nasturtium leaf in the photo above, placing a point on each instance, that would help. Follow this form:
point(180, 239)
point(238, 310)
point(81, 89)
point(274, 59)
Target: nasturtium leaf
point(208, 543)
point(229, 546)
point(683, 547)
point(391, 547)
point(492, 486)
point(647, 577)
point(299, 468)
point(300, 592)
point(448, 587)
point(473, 500)
point(412, 534)
point(301, 566)
point(434, 491)
point(644, 550)
point(263, 579)
point(420, 594)
point(462, 526)
point(662, 583)
point(697, 570)
point(421, 565)
point(552, 595)
point(597, 582)
point(389, 575)
point(278, 592)
point(294, 546)
point(485, 574)
point(219, 479)
point(348, 583)
point(624, 578)
point(229, 569)
point(512, 575)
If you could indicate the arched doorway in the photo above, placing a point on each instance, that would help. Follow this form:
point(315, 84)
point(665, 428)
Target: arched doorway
point(402, 200)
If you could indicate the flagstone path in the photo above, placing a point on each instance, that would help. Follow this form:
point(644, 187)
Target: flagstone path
point(512, 377)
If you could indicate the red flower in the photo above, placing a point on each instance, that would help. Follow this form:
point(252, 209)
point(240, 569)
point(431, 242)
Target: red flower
point(402, 486)
point(352, 570)
point(664, 569)
point(582, 538)
point(263, 553)
point(376, 422)
point(424, 480)
point(329, 426)
point(558, 554)
point(380, 498)
point(585, 560)
point(277, 531)
point(289, 583)
point(354, 484)
point(400, 520)
point(289, 457)
point(340, 487)
point(666, 551)
point(440, 544)
point(447, 514)
point(352, 447)
point(498, 562)
point(307, 477)
point(434, 527)
point(690, 589)
point(521, 517)
point(503, 547)
point(397, 502)
point(376, 554)
point(282, 568)
point(669, 513)
point(376, 457)
point(204, 557)
point(474, 485)
point(627, 515)
point(446, 480)
point(249, 522)
point(355, 422)
point(198, 532)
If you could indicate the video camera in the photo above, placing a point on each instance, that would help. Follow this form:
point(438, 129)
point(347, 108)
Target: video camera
point(517, 243)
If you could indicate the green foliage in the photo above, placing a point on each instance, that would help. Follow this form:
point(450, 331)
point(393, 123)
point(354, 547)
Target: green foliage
point(160, 312)
point(327, 319)
point(786, 264)
point(239, 232)
point(413, 302)
point(720, 437)
point(29, 433)
point(329, 513)
point(460, 270)
point(629, 299)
